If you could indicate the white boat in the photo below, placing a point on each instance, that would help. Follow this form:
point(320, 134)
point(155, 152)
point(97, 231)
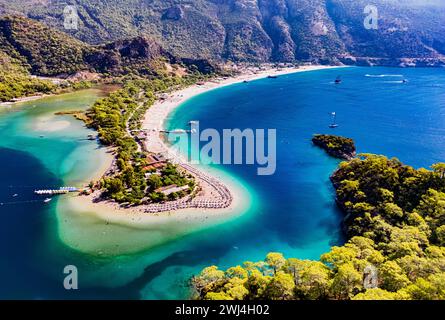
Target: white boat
point(47, 200)
point(333, 125)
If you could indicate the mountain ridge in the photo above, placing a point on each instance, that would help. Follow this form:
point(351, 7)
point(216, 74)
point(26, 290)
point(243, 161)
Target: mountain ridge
point(314, 31)
point(44, 51)
point(30, 52)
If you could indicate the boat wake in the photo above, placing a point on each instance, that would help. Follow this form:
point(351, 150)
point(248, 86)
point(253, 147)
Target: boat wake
point(383, 75)
point(399, 81)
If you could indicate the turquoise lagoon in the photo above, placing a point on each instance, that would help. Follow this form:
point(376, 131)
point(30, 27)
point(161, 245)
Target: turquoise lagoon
point(292, 211)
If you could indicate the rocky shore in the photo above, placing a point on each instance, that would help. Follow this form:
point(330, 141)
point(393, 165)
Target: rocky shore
point(335, 146)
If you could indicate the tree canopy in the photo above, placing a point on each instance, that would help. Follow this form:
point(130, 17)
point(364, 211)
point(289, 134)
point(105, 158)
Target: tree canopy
point(395, 223)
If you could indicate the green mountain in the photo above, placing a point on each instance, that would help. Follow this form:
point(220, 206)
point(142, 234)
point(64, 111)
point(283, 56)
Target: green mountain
point(323, 31)
point(48, 52)
point(45, 51)
point(15, 80)
point(29, 48)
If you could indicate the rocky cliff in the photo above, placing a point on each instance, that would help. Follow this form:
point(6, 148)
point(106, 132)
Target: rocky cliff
point(410, 32)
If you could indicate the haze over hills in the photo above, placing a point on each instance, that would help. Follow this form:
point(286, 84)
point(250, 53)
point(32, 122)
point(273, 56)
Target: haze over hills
point(321, 31)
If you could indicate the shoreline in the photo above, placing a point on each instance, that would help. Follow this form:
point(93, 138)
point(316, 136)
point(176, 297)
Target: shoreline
point(214, 194)
point(82, 218)
point(25, 99)
point(35, 97)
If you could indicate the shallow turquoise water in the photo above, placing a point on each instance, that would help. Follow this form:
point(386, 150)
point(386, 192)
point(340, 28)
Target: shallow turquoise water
point(39, 150)
point(294, 209)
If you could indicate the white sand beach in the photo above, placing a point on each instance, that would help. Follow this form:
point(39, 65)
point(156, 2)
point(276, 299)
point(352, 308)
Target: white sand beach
point(82, 219)
point(154, 124)
point(24, 99)
point(156, 116)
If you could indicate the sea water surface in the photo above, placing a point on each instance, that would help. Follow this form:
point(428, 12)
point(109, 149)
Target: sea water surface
point(294, 210)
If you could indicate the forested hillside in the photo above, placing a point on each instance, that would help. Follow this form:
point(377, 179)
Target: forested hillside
point(29, 49)
point(395, 223)
point(47, 52)
point(323, 31)
point(15, 80)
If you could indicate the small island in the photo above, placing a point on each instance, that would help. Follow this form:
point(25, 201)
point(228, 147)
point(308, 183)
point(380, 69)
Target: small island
point(336, 146)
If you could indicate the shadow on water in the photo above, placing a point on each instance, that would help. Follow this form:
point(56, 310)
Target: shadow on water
point(133, 289)
point(23, 223)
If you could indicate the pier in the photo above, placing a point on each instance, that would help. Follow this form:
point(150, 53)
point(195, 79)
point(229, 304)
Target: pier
point(62, 190)
point(177, 131)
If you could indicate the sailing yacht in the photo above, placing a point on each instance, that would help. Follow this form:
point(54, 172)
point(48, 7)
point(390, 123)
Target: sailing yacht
point(333, 125)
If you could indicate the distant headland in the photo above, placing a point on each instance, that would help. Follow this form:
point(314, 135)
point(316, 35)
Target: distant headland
point(336, 146)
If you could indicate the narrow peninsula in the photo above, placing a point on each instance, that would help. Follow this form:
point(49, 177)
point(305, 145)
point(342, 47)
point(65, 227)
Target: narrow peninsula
point(336, 146)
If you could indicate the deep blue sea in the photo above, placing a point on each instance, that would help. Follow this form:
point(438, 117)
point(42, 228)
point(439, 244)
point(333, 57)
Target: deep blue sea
point(294, 210)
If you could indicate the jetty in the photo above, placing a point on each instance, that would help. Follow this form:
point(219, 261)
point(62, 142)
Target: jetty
point(176, 131)
point(216, 194)
point(62, 190)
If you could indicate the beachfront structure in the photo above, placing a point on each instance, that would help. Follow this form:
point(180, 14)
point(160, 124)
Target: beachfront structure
point(172, 189)
point(149, 174)
point(223, 198)
point(155, 161)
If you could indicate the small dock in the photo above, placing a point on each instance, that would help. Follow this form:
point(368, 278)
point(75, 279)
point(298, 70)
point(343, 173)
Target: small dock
point(177, 131)
point(63, 190)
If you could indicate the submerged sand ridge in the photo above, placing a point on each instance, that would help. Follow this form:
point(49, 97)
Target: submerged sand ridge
point(105, 228)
